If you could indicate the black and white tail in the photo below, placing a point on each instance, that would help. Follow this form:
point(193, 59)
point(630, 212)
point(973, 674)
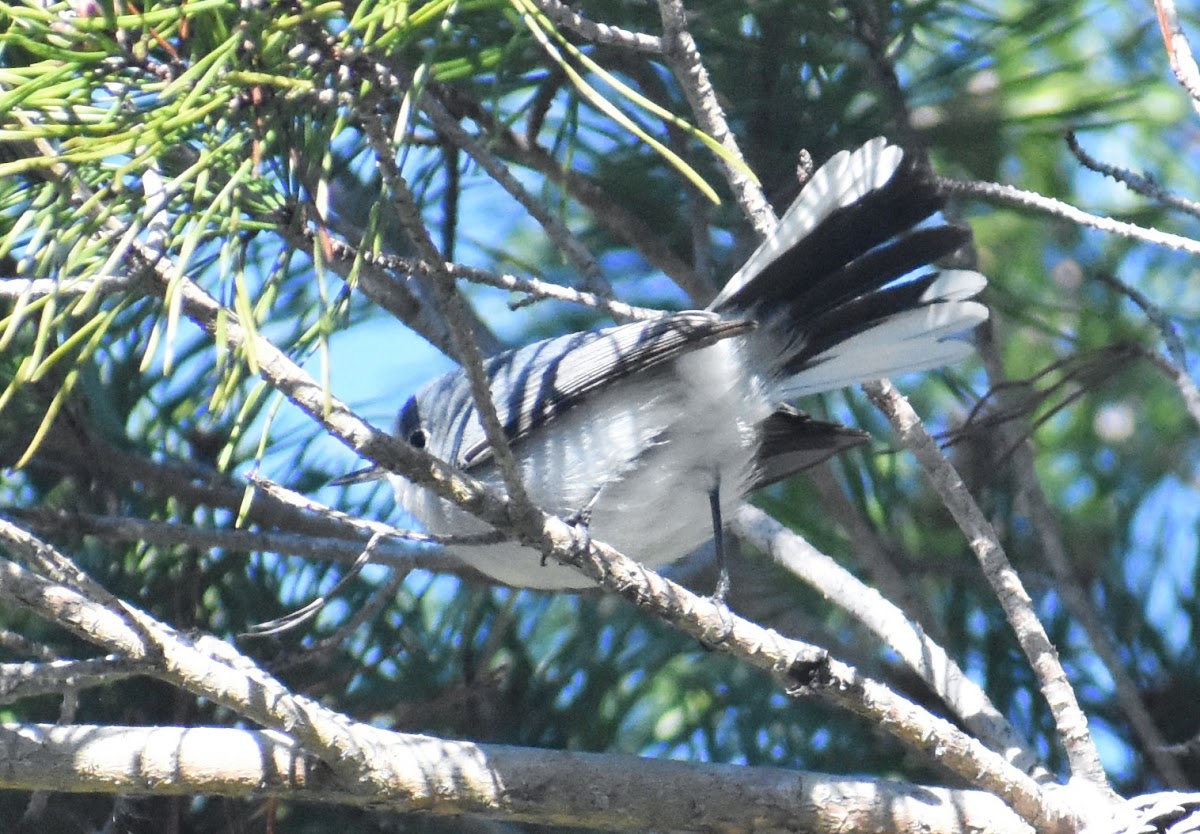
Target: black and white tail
point(824, 287)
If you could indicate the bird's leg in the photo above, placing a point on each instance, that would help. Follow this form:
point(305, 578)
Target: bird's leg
point(714, 505)
point(724, 616)
point(581, 519)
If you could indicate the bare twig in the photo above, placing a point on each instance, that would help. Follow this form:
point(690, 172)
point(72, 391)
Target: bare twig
point(871, 32)
point(453, 309)
point(171, 534)
point(1146, 186)
point(925, 657)
point(1070, 720)
point(310, 610)
point(1179, 51)
point(21, 645)
point(684, 59)
point(380, 598)
point(1028, 199)
point(15, 287)
point(28, 680)
point(556, 230)
point(1179, 360)
point(545, 289)
point(364, 527)
point(385, 291)
point(601, 33)
point(395, 78)
point(533, 287)
point(612, 214)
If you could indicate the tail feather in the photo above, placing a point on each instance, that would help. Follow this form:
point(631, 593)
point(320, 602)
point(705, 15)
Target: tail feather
point(880, 266)
point(853, 203)
point(866, 367)
point(826, 288)
point(916, 338)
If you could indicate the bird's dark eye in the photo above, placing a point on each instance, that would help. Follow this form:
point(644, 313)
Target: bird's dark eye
point(417, 439)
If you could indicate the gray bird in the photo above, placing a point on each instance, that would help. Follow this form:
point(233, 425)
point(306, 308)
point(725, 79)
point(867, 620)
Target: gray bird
point(652, 431)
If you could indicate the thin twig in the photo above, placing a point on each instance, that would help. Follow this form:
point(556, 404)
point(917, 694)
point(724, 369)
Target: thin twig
point(601, 33)
point(1179, 364)
point(383, 290)
point(683, 57)
point(611, 213)
point(380, 598)
point(310, 610)
point(453, 310)
point(172, 534)
point(395, 78)
point(1028, 199)
point(29, 680)
point(15, 287)
point(871, 32)
point(532, 287)
point(1069, 718)
point(19, 644)
point(584, 261)
point(1179, 51)
point(365, 527)
point(1146, 186)
point(535, 288)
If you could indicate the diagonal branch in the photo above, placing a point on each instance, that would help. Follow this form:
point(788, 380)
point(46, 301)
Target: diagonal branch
point(1069, 718)
point(683, 56)
point(925, 657)
point(1029, 199)
point(1032, 500)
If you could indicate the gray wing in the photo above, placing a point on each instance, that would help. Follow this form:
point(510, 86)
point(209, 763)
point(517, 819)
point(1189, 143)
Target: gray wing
point(538, 383)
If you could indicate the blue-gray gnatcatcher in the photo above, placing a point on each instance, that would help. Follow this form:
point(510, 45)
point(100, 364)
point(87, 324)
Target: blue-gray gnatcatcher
point(655, 429)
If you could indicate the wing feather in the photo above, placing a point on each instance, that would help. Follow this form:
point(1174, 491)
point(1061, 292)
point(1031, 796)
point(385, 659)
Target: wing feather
point(546, 379)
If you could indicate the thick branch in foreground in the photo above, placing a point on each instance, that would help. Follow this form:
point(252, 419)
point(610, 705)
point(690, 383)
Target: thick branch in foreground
point(517, 784)
point(360, 756)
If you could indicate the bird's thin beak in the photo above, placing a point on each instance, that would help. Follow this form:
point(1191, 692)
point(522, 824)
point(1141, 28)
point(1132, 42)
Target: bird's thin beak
point(359, 476)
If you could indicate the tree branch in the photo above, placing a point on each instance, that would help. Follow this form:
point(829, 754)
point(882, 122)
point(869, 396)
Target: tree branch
point(683, 56)
point(624, 793)
point(1069, 718)
point(601, 33)
point(1179, 51)
point(1029, 199)
point(883, 619)
point(214, 670)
